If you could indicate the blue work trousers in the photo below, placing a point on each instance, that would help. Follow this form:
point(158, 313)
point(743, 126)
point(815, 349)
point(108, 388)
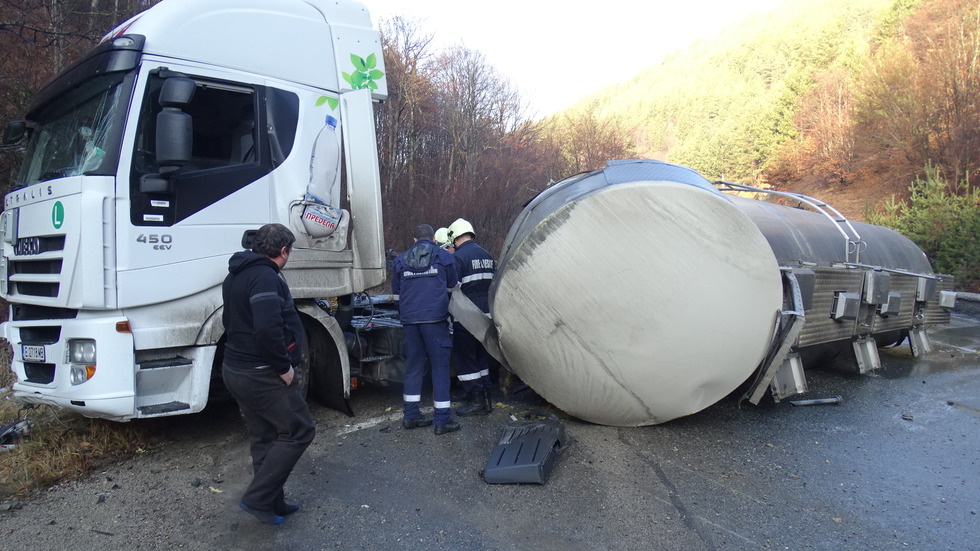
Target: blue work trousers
point(470, 361)
point(427, 340)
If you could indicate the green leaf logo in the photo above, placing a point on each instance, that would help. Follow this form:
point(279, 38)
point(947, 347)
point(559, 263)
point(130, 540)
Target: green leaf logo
point(332, 102)
point(365, 75)
point(358, 62)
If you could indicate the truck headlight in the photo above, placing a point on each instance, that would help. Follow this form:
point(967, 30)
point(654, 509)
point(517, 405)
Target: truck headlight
point(81, 356)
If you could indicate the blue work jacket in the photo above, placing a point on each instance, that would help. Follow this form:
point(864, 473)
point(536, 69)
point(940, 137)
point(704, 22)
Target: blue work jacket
point(422, 277)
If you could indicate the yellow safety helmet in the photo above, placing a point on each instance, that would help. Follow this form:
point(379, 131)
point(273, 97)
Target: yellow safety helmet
point(442, 237)
point(460, 227)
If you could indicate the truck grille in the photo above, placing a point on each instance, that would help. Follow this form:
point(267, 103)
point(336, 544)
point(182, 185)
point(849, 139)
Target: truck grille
point(39, 373)
point(37, 271)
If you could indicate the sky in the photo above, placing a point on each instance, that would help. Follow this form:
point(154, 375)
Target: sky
point(556, 52)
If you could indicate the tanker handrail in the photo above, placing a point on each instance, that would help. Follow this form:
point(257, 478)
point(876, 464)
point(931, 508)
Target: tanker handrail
point(937, 277)
point(852, 239)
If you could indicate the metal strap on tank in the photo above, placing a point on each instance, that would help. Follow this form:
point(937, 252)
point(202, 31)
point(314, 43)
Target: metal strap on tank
point(852, 239)
point(791, 324)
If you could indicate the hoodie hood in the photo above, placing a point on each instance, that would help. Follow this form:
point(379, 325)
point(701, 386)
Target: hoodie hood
point(246, 259)
point(421, 255)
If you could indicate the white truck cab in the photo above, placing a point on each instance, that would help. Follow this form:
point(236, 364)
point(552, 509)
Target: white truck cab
point(155, 157)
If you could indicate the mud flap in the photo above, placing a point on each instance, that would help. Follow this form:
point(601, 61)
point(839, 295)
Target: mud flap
point(527, 452)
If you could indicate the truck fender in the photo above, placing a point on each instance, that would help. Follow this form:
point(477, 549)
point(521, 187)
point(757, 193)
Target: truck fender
point(329, 363)
point(212, 329)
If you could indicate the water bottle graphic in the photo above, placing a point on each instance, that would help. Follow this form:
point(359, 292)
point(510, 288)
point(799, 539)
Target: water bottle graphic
point(325, 165)
point(321, 216)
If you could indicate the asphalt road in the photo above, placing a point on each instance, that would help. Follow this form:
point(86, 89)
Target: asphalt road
point(895, 466)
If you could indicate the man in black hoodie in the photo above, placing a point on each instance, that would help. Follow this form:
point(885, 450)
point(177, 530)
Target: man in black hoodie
point(264, 342)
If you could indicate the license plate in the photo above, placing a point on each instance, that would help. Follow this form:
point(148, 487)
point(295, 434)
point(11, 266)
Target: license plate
point(32, 352)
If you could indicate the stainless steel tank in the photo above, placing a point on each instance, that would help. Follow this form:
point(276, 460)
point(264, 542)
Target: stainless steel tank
point(639, 293)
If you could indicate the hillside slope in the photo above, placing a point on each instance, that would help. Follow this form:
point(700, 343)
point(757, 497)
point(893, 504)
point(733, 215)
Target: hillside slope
point(725, 106)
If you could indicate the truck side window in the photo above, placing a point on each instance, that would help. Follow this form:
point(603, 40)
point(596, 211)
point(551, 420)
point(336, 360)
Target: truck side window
point(227, 151)
point(224, 127)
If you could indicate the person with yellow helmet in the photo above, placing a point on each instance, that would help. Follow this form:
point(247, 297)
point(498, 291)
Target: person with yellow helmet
point(475, 268)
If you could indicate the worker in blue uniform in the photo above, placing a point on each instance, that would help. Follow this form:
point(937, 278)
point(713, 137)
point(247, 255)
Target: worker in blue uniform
point(422, 277)
point(475, 267)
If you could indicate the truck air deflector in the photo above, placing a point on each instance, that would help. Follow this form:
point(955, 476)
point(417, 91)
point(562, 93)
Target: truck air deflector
point(113, 56)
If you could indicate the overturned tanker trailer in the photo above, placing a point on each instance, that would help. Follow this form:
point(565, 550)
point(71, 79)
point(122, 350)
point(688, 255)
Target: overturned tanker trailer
point(642, 292)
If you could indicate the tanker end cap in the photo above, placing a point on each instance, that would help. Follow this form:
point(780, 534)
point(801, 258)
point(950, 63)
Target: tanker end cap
point(636, 303)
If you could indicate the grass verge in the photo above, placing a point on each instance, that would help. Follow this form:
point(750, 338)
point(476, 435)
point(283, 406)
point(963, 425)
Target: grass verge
point(60, 444)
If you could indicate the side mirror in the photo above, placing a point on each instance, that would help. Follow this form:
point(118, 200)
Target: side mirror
point(175, 129)
point(177, 92)
point(14, 131)
point(175, 135)
point(248, 238)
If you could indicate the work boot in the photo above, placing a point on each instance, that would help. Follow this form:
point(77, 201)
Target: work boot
point(479, 405)
point(409, 424)
point(464, 396)
point(487, 399)
point(451, 426)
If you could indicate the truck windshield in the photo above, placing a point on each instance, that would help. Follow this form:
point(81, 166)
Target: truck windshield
point(72, 133)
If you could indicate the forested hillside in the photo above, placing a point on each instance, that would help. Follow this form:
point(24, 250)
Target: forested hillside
point(724, 105)
point(846, 97)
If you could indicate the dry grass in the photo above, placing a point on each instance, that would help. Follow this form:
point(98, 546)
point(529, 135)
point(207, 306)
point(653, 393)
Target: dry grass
point(60, 445)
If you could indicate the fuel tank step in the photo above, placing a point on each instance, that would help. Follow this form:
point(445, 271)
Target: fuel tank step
point(526, 453)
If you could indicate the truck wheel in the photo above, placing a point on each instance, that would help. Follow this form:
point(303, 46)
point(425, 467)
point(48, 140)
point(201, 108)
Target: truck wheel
point(301, 372)
point(326, 370)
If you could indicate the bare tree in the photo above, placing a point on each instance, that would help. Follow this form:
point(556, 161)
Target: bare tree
point(584, 140)
point(402, 121)
point(477, 108)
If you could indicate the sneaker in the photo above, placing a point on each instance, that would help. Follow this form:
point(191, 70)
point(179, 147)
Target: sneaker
point(409, 424)
point(268, 517)
point(451, 426)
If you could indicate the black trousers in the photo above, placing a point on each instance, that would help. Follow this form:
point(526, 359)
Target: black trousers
point(279, 426)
